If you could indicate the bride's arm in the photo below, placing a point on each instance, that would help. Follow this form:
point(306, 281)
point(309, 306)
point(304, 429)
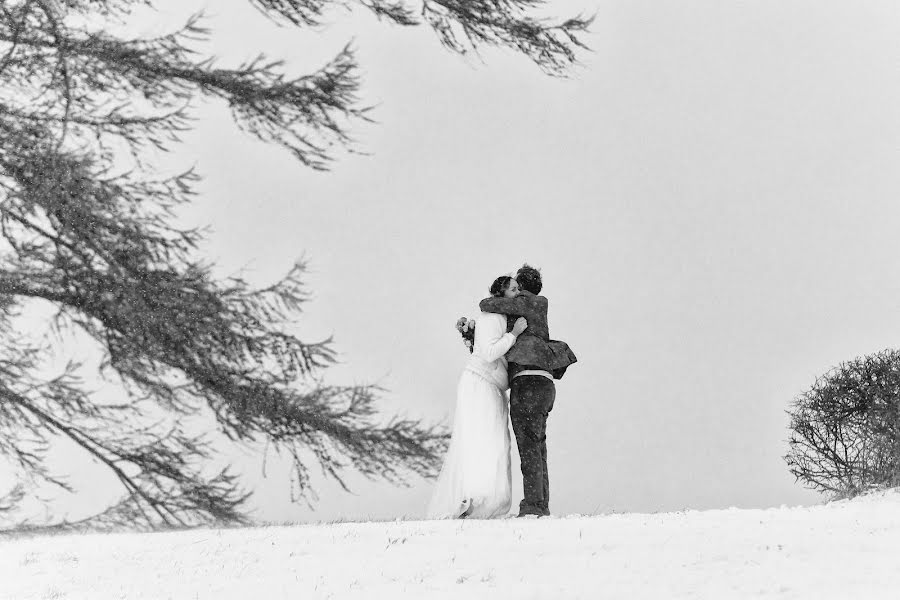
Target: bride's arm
point(493, 339)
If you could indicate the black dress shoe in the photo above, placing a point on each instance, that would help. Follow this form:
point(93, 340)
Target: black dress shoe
point(526, 509)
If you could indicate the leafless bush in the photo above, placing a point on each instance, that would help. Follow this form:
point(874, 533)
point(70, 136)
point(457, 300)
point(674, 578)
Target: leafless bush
point(846, 428)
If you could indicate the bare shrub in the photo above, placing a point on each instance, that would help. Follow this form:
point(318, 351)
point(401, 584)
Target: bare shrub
point(846, 428)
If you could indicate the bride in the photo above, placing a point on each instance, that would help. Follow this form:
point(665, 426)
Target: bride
point(475, 479)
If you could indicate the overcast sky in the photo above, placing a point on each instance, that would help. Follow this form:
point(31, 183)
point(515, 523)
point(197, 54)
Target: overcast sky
point(713, 200)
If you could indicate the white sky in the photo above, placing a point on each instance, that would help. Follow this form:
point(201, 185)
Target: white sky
point(713, 201)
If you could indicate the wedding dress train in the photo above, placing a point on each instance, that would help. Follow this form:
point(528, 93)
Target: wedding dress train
point(475, 479)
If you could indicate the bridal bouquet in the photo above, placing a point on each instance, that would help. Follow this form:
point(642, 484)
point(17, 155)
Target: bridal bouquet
point(466, 328)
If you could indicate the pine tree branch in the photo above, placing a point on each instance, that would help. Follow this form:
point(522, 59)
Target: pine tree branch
point(102, 247)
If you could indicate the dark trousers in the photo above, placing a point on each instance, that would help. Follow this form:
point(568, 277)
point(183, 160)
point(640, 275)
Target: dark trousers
point(530, 401)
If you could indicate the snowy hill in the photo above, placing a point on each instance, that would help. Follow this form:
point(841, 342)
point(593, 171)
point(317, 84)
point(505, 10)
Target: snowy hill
point(848, 549)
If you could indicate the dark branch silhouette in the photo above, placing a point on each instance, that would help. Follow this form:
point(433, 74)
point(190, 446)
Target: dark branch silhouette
point(845, 430)
point(87, 226)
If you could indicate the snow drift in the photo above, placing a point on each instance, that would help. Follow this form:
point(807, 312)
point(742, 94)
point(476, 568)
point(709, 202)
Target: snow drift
point(838, 550)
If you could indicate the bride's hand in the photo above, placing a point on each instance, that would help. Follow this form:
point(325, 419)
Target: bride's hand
point(519, 326)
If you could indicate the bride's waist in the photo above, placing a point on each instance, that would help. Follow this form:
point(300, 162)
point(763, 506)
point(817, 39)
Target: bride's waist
point(478, 362)
point(493, 370)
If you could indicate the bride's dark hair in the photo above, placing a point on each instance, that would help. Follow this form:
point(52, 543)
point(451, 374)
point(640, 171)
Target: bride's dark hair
point(500, 285)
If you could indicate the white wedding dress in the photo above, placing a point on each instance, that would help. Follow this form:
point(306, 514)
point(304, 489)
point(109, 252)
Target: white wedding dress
point(475, 478)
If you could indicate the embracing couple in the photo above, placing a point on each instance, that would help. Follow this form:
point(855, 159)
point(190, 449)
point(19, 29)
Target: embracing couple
point(511, 349)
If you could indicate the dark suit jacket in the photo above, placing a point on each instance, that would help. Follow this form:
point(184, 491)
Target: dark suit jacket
point(534, 349)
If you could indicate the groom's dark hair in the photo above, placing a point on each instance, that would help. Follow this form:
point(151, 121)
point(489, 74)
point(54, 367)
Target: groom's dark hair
point(529, 279)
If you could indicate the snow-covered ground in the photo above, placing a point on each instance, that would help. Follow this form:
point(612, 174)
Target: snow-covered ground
point(848, 549)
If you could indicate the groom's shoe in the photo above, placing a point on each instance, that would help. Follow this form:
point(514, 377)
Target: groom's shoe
point(529, 511)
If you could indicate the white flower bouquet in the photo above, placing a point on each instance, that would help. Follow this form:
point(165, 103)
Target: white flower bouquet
point(466, 328)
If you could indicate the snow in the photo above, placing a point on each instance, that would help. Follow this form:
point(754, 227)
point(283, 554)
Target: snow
point(847, 549)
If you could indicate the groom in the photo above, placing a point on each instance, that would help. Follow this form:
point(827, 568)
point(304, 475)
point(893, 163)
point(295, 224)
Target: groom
point(534, 362)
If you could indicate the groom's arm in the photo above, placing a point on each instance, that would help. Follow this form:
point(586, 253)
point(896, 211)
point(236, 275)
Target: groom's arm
point(525, 305)
point(504, 306)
